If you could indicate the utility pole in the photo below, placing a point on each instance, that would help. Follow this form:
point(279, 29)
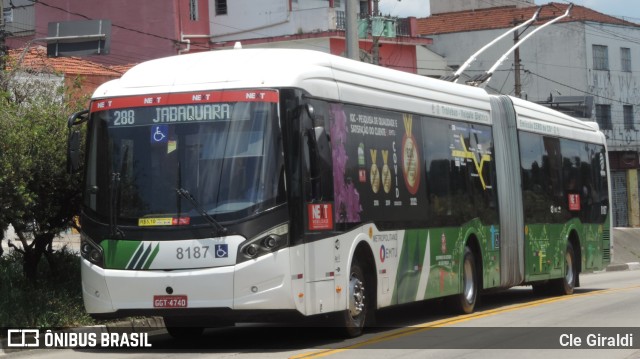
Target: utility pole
point(376, 40)
point(351, 33)
point(516, 60)
point(2, 38)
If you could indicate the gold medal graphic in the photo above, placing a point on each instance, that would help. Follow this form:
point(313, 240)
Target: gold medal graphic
point(374, 173)
point(410, 157)
point(386, 172)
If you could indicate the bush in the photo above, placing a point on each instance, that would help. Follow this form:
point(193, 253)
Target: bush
point(53, 300)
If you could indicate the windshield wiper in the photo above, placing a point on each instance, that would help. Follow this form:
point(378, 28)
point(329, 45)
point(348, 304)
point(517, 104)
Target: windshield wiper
point(114, 193)
point(220, 229)
point(116, 232)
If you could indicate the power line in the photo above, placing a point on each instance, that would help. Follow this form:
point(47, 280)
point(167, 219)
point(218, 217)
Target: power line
point(577, 89)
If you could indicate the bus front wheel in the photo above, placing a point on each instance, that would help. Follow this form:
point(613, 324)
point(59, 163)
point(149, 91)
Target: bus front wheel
point(353, 319)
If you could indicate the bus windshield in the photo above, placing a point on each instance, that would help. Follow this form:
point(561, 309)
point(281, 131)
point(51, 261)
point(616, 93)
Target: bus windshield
point(142, 160)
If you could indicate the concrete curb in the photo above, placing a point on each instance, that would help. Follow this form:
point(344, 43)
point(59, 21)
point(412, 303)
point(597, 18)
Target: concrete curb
point(138, 324)
point(623, 266)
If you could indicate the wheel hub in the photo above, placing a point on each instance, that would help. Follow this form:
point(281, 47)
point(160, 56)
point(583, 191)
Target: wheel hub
point(356, 299)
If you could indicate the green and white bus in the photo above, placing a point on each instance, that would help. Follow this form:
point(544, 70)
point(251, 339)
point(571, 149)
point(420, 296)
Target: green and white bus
point(243, 184)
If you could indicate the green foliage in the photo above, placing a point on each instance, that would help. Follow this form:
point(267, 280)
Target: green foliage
point(53, 300)
point(37, 195)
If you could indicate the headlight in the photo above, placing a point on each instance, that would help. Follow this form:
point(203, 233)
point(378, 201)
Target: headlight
point(266, 242)
point(91, 251)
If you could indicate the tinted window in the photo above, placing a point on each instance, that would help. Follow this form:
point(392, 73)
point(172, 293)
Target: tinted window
point(460, 172)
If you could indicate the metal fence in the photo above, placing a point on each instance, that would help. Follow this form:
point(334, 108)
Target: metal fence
point(619, 199)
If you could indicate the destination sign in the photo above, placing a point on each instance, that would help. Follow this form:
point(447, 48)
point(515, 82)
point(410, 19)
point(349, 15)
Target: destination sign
point(177, 108)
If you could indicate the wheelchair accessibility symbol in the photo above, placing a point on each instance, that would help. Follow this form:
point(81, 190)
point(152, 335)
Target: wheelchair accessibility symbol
point(221, 250)
point(159, 133)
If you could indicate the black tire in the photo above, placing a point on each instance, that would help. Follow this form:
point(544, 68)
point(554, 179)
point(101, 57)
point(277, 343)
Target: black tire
point(358, 300)
point(465, 302)
point(566, 284)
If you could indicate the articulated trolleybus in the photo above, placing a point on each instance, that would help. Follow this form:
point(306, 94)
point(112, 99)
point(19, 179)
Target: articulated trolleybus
point(254, 183)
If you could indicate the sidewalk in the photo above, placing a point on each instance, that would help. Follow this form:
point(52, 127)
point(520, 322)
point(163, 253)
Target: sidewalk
point(626, 249)
point(71, 240)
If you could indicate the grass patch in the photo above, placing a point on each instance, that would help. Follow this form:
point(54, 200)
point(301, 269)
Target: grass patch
point(54, 300)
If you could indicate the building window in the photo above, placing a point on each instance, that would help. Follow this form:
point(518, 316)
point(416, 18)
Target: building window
point(193, 10)
point(336, 3)
point(625, 58)
point(364, 9)
point(600, 57)
point(603, 116)
point(7, 12)
point(221, 7)
point(628, 117)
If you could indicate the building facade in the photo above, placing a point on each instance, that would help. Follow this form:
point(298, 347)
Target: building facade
point(588, 60)
point(148, 29)
point(141, 30)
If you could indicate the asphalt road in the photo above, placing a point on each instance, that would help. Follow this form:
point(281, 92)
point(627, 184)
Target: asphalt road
point(508, 324)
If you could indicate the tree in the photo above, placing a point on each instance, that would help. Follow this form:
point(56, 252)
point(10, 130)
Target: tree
point(37, 195)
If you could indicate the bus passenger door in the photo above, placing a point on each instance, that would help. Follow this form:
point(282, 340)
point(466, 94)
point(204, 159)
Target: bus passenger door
point(317, 194)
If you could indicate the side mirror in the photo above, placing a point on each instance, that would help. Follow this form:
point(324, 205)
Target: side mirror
point(319, 161)
point(74, 141)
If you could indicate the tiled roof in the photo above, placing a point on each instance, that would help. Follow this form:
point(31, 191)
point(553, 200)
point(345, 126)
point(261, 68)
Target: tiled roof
point(35, 59)
point(504, 17)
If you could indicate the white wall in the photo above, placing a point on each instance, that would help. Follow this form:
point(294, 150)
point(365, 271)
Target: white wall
point(614, 87)
point(560, 59)
point(557, 53)
point(431, 64)
point(250, 19)
point(317, 44)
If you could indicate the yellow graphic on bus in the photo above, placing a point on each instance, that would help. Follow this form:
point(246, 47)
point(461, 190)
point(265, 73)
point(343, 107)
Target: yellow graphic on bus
point(465, 153)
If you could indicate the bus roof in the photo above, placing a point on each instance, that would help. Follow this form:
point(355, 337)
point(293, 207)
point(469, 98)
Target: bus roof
point(331, 77)
point(321, 74)
point(537, 118)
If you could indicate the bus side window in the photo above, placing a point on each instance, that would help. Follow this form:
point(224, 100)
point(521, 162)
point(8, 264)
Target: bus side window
point(316, 149)
point(536, 187)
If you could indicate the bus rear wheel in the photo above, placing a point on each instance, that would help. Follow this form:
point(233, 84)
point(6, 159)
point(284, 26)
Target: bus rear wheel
point(566, 284)
point(465, 302)
point(358, 302)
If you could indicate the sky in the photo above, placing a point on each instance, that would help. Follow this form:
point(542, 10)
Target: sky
point(629, 9)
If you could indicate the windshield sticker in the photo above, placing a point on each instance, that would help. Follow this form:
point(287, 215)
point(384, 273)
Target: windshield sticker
point(159, 133)
point(320, 216)
point(164, 221)
point(221, 250)
point(172, 146)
